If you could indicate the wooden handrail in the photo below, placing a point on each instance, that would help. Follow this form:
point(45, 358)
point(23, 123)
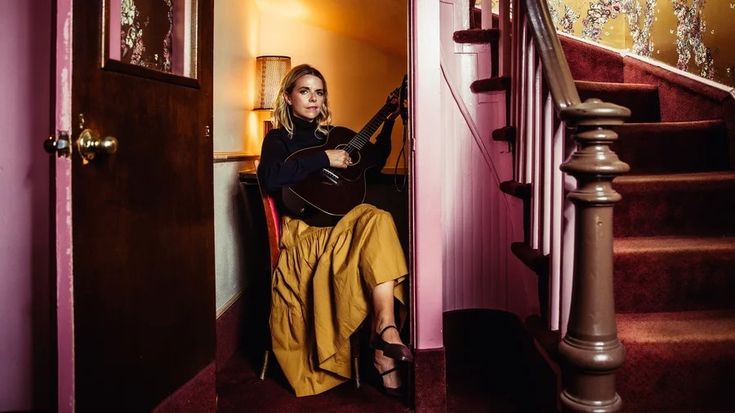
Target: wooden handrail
point(557, 74)
point(556, 69)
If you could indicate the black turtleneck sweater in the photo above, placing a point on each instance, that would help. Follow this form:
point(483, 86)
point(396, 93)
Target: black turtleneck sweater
point(275, 171)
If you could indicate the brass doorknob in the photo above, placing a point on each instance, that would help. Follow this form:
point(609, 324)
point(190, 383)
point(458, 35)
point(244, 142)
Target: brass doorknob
point(90, 144)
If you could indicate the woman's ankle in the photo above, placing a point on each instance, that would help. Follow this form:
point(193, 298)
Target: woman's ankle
point(388, 332)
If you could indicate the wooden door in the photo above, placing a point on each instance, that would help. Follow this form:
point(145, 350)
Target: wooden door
point(142, 217)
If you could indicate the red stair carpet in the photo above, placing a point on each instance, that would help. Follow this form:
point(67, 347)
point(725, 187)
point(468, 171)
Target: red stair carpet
point(674, 231)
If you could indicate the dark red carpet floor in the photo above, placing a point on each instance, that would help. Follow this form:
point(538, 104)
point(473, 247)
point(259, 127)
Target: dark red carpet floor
point(488, 370)
point(240, 390)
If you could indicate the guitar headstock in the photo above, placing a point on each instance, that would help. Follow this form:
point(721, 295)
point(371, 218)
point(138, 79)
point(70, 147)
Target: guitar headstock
point(397, 101)
point(393, 99)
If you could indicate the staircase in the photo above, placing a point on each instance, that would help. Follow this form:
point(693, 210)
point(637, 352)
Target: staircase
point(674, 247)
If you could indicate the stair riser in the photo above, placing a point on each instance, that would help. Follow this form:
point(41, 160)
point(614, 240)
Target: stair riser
point(592, 63)
point(674, 281)
point(677, 377)
point(642, 102)
point(689, 208)
point(672, 151)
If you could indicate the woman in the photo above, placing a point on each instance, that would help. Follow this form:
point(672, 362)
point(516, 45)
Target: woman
point(328, 279)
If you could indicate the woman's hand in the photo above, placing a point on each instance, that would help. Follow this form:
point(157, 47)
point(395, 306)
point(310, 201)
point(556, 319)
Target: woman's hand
point(338, 158)
point(394, 101)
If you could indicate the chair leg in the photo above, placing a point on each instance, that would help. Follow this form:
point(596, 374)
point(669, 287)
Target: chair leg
point(356, 371)
point(266, 356)
point(355, 354)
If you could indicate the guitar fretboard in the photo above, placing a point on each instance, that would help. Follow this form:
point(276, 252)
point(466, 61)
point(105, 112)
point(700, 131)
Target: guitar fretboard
point(359, 140)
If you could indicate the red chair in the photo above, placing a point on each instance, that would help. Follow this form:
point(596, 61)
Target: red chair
point(273, 226)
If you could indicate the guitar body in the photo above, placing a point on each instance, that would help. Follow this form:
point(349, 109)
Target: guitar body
point(330, 191)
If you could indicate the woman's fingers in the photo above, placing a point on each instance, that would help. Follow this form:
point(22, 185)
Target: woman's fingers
point(346, 161)
point(338, 158)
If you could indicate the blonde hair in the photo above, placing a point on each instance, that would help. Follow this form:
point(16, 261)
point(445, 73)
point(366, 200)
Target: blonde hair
point(281, 113)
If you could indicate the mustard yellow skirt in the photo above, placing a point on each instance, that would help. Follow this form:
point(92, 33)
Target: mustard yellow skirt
point(321, 292)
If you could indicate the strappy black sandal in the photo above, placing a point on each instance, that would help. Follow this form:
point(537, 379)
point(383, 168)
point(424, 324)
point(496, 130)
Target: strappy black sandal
point(390, 391)
point(398, 352)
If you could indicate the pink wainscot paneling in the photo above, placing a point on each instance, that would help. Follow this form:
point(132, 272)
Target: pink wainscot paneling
point(480, 222)
point(25, 284)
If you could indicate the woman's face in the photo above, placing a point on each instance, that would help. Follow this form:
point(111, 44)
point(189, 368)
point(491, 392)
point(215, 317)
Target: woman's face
point(306, 97)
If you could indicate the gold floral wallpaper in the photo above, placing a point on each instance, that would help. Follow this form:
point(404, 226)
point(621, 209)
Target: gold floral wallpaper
point(693, 35)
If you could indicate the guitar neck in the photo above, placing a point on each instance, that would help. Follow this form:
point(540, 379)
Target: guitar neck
point(359, 140)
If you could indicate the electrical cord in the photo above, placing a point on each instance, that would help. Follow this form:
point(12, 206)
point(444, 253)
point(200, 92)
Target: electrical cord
point(400, 187)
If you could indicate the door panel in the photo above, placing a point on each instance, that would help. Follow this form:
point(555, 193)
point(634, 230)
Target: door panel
point(143, 231)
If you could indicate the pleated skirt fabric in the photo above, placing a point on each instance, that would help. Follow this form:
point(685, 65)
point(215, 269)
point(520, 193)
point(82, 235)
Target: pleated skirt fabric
point(321, 292)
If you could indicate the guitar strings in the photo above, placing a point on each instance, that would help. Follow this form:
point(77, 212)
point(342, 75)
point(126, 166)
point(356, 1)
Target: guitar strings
point(361, 139)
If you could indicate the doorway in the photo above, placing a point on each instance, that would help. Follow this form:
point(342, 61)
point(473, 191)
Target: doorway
point(362, 50)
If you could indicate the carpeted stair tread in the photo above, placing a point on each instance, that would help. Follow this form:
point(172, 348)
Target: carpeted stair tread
point(642, 99)
point(678, 326)
point(695, 178)
point(630, 245)
point(674, 273)
point(677, 361)
point(613, 86)
point(476, 36)
point(669, 147)
point(492, 84)
point(505, 134)
point(516, 189)
point(684, 204)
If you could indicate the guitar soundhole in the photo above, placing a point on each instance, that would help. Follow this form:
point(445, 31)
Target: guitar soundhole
point(355, 155)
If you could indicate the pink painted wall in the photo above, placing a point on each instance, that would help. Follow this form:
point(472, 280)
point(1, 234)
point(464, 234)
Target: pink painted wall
point(25, 342)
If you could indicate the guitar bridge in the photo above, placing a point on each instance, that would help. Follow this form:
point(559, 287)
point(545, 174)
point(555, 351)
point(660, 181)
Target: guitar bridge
point(331, 176)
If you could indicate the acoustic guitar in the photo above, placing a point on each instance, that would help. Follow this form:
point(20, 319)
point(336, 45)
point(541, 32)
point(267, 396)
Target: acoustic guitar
point(325, 195)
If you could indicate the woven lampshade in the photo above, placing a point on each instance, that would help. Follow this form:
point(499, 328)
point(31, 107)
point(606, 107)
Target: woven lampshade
point(269, 71)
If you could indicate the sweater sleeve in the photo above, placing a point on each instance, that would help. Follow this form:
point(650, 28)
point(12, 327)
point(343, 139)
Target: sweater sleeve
point(275, 171)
